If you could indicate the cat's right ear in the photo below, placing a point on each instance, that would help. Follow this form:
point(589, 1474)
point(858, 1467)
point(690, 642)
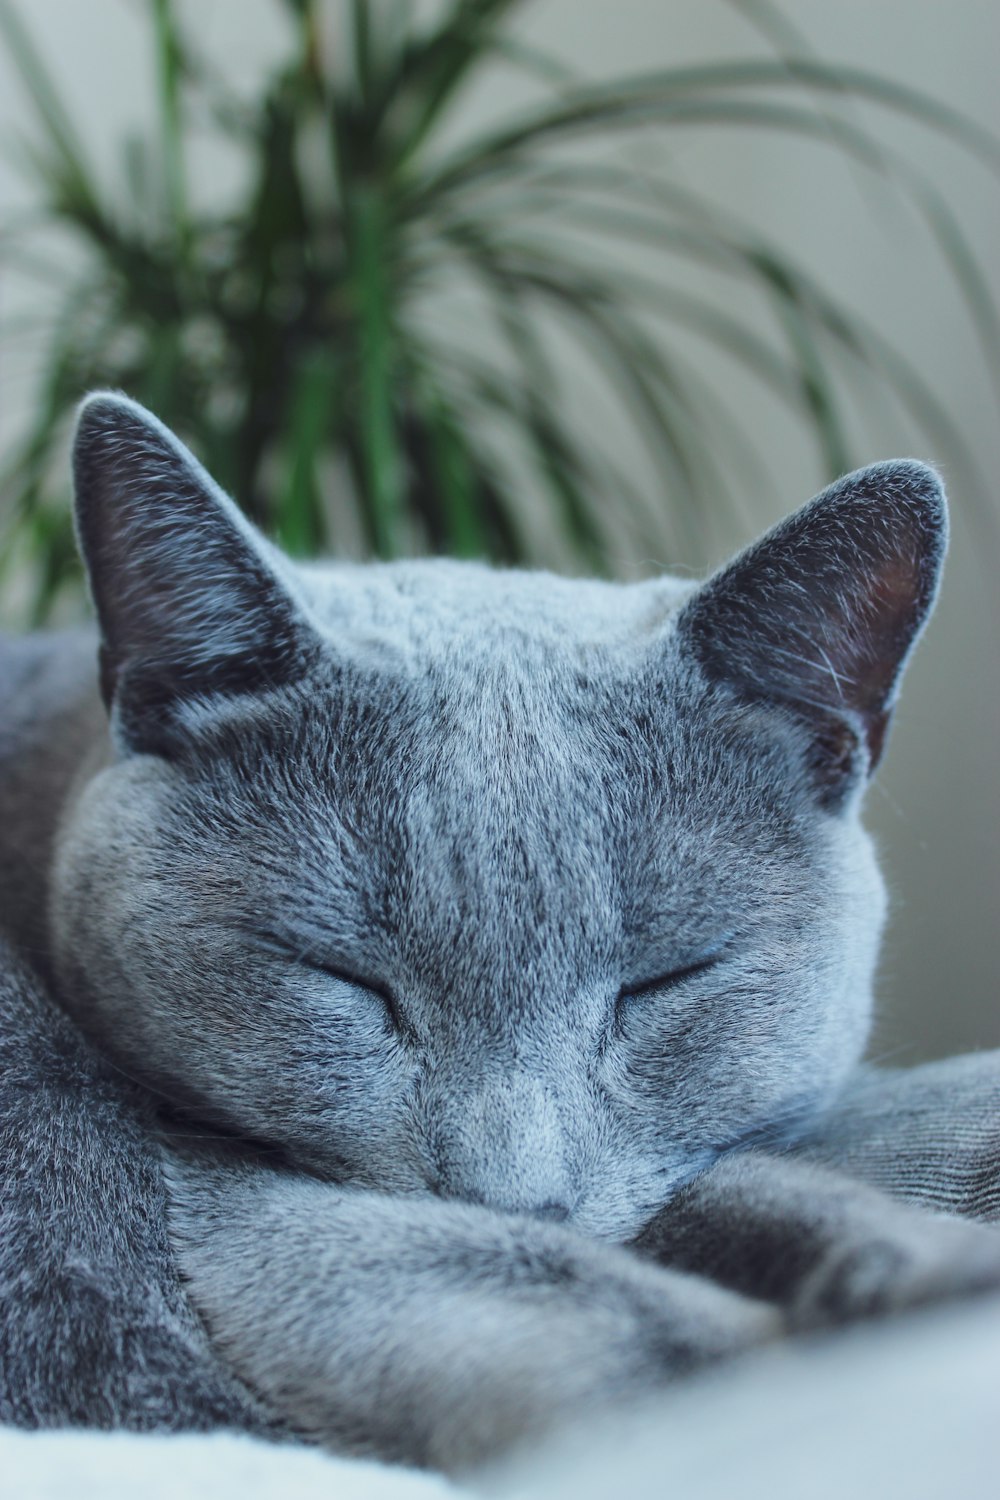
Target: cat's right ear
point(189, 598)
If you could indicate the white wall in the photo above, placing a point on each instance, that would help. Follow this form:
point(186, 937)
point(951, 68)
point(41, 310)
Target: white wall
point(935, 807)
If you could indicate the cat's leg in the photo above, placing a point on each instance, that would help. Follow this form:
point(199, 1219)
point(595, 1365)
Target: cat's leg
point(824, 1245)
point(929, 1135)
point(425, 1330)
point(94, 1327)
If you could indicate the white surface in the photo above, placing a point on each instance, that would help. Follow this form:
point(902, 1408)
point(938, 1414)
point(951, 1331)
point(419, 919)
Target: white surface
point(120, 1466)
point(908, 1410)
point(903, 1409)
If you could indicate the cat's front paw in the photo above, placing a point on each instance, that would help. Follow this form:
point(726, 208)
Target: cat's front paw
point(888, 1273)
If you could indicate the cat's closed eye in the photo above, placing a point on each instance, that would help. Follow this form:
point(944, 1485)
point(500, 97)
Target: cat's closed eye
point(377, 997)
point(663, 984)
point(361, 987)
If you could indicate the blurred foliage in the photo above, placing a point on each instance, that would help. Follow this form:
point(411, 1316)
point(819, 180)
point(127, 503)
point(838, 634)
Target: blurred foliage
point(289, 336)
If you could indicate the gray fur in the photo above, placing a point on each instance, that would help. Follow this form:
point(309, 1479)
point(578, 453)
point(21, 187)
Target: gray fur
point(94, 1327)
point(425, 881)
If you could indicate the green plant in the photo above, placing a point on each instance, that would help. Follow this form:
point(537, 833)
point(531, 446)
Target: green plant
point(288, 335)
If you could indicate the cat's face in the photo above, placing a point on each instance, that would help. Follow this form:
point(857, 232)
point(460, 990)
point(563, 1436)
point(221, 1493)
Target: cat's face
point(487, 884)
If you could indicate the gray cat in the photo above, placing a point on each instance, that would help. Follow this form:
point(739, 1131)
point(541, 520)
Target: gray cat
point(447, 963)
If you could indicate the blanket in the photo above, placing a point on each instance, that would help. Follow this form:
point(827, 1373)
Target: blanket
point(929, 1135)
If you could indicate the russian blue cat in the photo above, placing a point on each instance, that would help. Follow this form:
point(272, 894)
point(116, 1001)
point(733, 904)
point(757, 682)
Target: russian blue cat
point(421, 975)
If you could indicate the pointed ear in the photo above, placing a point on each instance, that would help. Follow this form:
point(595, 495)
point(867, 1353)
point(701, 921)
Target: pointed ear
point(189, 597)
point(821, 614)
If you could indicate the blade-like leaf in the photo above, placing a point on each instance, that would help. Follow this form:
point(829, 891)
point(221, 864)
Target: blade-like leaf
point(452, 469)
point(506, 151)
point(379, 445)
point(171, 130)
point(312, 415)
point(432, 68)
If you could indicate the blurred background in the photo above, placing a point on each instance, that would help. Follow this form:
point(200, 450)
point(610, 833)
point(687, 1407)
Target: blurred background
point(590, 285)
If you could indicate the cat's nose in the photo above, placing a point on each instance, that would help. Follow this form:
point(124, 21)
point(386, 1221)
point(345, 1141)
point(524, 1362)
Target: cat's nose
point(502, 1144)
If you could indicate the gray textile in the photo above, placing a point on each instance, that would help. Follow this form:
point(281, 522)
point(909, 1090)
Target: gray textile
point(929, 1135)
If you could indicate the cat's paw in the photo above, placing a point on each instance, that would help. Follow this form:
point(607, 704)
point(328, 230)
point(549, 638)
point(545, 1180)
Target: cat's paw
point(693, 1321)
point(888, 1273)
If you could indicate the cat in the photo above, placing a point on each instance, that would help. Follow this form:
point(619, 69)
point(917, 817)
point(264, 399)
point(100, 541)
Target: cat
point(417, 976)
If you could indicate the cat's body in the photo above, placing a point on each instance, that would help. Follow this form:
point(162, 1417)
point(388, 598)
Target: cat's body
point(480, 913)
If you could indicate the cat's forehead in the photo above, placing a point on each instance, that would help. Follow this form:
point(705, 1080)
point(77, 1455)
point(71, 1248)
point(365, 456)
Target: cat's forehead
point(459, 678)
point(431, 609)
point(456, 701)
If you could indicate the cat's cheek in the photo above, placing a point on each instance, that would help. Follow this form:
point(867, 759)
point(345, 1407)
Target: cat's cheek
point(340, 1106)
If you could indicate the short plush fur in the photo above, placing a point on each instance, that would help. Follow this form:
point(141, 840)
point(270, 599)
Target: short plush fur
point(426, 925)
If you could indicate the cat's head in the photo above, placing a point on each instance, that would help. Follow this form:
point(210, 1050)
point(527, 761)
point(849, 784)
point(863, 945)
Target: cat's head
point(493, 884)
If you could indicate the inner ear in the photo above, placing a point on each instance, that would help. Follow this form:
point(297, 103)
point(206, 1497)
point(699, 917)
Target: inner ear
point(822, 613)
point(191, 601)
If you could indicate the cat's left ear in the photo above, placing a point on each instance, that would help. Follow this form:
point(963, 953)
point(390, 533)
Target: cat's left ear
point(821, 614)
point(192, 602)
